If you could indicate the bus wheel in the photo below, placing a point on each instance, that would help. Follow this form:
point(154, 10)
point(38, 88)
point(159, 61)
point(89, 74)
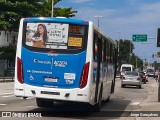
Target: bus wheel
point(97, 106)
point(44, 103)
point(48, 103)
point(40, 102)
point(112, 87)
point(107, 100)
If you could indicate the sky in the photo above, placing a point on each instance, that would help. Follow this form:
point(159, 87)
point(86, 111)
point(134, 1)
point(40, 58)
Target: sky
point(122, 19)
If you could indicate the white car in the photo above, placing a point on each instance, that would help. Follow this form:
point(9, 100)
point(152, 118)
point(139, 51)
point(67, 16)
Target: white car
point(131, 78)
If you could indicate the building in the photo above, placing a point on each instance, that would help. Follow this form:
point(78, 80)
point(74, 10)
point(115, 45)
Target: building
point(7, 38)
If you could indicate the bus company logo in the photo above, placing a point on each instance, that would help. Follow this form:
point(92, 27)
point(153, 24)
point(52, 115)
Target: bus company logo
point(41, 62)
point(60, 63)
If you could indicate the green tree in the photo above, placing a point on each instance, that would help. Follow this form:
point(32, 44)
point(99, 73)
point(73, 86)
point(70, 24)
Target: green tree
point(125, 49)
point(64, 12)
point(8, 53)
point(137, 62)
point(126, 54)
point(11, 11)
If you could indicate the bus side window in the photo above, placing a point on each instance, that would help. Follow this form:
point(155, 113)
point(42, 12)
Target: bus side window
point(111, 54)
point(99, 49)
point(95, 47)
point(107, 52)
point(103, 50)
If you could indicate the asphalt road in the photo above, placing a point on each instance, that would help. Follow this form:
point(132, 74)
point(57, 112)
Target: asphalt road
point(121, 104)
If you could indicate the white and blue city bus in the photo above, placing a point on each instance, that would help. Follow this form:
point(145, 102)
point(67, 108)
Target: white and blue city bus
point(72, 61)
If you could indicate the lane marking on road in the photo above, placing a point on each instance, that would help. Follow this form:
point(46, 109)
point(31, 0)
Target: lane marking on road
point(135, 103)
point(8, 96)
point(27, 98)
point(3, 104)
point(32, 106)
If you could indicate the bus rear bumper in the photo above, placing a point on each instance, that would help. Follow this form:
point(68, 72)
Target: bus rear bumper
point(76, 94)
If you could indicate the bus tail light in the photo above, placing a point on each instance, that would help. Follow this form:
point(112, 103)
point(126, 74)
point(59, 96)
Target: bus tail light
point(84, 76)
point(20, 70)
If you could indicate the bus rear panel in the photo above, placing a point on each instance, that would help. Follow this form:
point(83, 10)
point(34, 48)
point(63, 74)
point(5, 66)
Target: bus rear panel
point(52, 65)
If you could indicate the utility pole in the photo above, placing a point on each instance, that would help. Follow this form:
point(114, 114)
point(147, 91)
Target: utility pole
point(52, 8)
point(136, 62)
point(118, 44)
point(98, 19)
point(130, 52)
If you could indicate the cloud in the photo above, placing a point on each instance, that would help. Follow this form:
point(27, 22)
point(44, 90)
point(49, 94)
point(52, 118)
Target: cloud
point(133, 2)
point(141, 19)
point(81, 1)
point(144, 19)
point(89, 13)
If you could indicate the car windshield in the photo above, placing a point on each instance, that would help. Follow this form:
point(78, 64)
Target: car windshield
point(133, 73)
point(150, 70)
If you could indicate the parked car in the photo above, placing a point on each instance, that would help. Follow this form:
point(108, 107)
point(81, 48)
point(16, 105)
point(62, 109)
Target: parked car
point(9, 72)
point(143, 76)
point(131, 78)
point(150, 72)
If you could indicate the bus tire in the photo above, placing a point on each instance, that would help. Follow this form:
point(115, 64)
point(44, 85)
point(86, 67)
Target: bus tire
point(97, 106)
point(40, 102)
point(44, 103)
point(107, 100)
point(112, 87)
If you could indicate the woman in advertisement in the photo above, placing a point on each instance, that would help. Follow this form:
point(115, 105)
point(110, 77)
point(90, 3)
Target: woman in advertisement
point(40, 37)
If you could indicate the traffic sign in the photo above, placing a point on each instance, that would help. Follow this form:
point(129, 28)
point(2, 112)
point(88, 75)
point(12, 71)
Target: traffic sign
point(139, 38)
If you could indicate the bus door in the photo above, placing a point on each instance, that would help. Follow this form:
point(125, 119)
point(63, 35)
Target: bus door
point(97, 62)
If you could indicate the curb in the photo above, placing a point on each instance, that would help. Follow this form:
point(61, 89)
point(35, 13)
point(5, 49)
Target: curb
point(5, 80)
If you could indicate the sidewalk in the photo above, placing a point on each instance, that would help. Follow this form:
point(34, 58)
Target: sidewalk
point(150, 106)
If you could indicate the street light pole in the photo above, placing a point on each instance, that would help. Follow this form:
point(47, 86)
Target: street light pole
point(118, 44)
point(130, 53)
point(136, 62)
point(52, 8)
point(98, 19)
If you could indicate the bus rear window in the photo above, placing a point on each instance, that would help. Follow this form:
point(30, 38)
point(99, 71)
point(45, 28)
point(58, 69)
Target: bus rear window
point(126, 68)
point(55, 36)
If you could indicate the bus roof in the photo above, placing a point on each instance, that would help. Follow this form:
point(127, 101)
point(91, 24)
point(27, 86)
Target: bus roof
point(104, 35)
point(56, 19)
